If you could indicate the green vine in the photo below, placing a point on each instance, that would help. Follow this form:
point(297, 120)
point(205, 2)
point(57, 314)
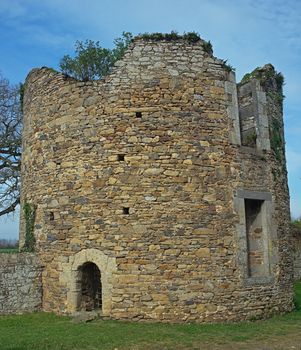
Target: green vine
point(277, 96)
point(276, 139)
point(29, 211)
point(279, 80)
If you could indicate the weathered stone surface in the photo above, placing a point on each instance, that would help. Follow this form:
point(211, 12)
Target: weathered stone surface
point(20, 283)
point(145, 176)
point(296, 233)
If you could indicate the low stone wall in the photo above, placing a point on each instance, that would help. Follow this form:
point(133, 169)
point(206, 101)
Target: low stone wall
point(20, 283)
point(297, 252)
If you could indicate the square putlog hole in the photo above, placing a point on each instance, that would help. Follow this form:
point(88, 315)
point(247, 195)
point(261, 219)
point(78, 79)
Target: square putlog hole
point(138, 114)
point(126, 210)
point(120, 157)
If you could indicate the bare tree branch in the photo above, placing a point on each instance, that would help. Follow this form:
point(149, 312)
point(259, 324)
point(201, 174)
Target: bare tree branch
point(10, 146)
point(11, 208)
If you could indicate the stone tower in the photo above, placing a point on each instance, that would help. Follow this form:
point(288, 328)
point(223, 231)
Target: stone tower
point(161, 190)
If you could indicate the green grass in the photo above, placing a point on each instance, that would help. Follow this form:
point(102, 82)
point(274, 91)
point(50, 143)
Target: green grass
point(9, 250)
point(297, 298)
point(49, 332)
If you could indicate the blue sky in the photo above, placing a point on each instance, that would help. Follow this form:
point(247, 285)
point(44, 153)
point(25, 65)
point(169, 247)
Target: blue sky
point(36, 33)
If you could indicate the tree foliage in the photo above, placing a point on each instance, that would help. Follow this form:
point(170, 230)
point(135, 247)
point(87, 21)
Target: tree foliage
point(92, 61)
point(10, 146)
point(297, 223)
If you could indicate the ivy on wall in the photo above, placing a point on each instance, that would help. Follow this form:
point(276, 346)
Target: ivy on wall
point(29, 211)
point(276, 139)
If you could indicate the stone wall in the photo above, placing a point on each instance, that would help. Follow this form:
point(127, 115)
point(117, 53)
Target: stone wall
point(20, 283)
point(143, 173)
point(254, 124)
point(297, 252)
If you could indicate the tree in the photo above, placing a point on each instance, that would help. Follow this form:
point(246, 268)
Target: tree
point(10, 146)
point(297, 223)
point(93, 61)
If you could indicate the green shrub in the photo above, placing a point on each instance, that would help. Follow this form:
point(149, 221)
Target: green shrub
point(191, 37)
point(297, 224)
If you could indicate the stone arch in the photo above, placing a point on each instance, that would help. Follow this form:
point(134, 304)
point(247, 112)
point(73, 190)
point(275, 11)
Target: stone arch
point(106, 266)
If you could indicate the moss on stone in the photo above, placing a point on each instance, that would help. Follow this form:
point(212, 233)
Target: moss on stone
point(190, 37)
point(267, 75)
point(172, 36)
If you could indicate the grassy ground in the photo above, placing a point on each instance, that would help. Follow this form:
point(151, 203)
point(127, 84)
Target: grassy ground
point(9, 250)
point(43, 331)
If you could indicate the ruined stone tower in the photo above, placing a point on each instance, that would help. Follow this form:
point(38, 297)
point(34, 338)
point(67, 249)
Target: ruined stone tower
point(161, 190)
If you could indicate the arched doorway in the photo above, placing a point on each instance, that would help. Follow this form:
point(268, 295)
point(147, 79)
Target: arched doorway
point(71, 276)
point(90, 287)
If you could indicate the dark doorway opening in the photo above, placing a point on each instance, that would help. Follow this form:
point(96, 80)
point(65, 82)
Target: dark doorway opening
point(90, 287)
